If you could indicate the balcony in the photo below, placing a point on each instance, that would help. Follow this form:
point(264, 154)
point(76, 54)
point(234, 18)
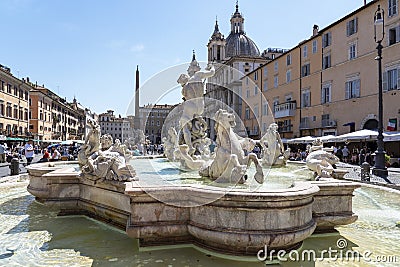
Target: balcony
point(329, 123)
point(285, 128)
point(286, 109)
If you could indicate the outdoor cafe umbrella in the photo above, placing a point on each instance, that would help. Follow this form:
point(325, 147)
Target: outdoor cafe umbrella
point(358, 136)
point(301, 140)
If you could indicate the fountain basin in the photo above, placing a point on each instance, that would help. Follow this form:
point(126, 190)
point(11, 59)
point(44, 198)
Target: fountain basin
point(236, 221)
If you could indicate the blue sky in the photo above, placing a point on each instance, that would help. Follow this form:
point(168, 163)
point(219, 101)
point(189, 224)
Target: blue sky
point(90, 49)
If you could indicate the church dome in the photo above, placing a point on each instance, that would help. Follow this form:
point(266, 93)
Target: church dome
point(238, 44)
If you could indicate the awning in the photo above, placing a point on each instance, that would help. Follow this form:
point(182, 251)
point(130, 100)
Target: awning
point(15, 139)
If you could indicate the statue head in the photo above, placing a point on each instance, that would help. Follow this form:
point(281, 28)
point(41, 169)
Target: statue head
point(273, 127)
point(225, 119)
point(106, 141)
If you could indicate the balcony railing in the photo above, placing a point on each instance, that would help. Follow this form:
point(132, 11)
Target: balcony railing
point(285, 128)
point(329, 123)
point(286, 109)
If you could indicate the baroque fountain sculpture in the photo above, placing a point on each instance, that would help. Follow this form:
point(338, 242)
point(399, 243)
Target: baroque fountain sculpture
point(320, 160)
point(99, 158)
point(156, 213)
point(274, 153)
point(228, 163)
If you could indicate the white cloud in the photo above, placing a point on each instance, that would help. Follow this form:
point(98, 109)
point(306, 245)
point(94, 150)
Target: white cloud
point(137, 48)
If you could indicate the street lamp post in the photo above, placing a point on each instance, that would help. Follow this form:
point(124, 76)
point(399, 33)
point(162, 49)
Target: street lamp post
point(379, 167)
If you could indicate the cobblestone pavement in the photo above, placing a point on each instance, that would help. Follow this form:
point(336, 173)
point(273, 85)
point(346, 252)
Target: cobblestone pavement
point(5, 167)
point(393, 179)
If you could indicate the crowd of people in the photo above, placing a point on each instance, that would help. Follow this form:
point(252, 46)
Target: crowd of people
point(355, 156)
point(28, 151)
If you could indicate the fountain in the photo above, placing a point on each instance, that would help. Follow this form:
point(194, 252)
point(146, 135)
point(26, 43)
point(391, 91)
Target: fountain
point(218, 209)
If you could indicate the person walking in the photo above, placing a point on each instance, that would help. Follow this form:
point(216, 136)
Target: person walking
point(29, 152)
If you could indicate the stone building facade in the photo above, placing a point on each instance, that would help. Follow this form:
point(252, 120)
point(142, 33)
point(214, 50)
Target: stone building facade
point(328, 83)
point(152, 119)
point(117, 126)
point(53, 117)
point(14, 105)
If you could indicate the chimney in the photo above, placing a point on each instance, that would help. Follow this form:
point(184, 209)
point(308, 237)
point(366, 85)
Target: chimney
point(315, 30)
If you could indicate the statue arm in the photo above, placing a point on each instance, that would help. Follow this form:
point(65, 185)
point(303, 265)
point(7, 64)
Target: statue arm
point(208, 72)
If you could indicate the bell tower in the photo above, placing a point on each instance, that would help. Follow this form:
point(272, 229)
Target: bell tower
point(216, 45)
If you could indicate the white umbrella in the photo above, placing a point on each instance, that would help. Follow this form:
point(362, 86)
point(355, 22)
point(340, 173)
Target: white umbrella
point(301, 140)
point(393, 137)
point(327, 138)
point(361, 135)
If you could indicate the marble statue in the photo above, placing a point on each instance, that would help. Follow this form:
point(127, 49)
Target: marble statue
point(170, 144)
point(230, 163)
point(321, 161)
point(92, 142)
point(274, 153)
point(192, 126)
point(106, 160)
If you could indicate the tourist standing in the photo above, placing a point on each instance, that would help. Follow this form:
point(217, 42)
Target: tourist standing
point(345, 152)
point(29, 152)
point(2, 153)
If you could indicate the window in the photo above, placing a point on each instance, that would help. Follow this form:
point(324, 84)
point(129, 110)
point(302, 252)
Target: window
point(265, 86)
point(265, 72)
point(353, 89)
point(255, 90)
point(314, 46)
point(305, 98)
point(1, 109)
point(392, 7)
point(256, 111)
point(394, 35)
point(256, 76)
point(248, 93)
point(391, 79)
point(255, 130)
point(325, 119)
point(247, 80)
point(305, 70)
point(247, 113)
point(305, 51)
point(288, 60)
point(326, 39)
point(351, 27)
point(276, 101)
point(326, 62)
point(326, 93)
point(265, 109)
point(352, 51)
point(276, 81)
point(288, 76)
point(276, 66)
